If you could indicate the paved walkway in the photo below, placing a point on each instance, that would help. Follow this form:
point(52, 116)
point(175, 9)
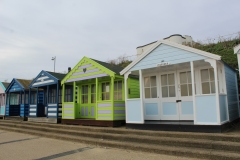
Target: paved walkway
point(22, 146)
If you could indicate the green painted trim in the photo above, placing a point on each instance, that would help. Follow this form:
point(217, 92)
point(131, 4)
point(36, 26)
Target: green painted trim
point(86, 60)
point(112, 95)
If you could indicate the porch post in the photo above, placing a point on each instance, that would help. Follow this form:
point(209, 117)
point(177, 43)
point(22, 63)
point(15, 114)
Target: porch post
point(126, 93)
point(74, 102)
point(141, 93)
point(213, 63)
point(47, 101)
point(96, 103)
point(193, 92)
point(217, 91)
point(112, 95)
point(57, 95)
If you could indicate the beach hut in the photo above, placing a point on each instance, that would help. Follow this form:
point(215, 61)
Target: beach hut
point(181, 88)
point(3, 86)
point(48, 108)
point(17, 101)
point(93, 94)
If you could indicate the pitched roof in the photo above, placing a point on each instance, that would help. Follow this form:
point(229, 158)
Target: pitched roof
point(115, 68)
point(24, 83)
point(59, 76)
point(5, 84)
point(173, 44)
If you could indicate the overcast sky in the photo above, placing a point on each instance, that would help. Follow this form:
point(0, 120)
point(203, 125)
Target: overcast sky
point(33, 31)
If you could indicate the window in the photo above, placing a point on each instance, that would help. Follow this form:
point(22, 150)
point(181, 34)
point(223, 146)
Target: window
point(106, 91)
point(33, 98)
point(185, 83)
point(14, 99)
point(207, 81)
point(168, 85)
point(93, 93)
point(2, 99)
point(118, 90)
point(84, 94)
point(68, 94)
point(150, 87)
point(52, 95)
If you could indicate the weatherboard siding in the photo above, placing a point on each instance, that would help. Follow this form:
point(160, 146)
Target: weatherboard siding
point(166, 53)
point(232, 93)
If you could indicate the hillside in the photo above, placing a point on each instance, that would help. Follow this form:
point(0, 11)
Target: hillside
point(223, 49)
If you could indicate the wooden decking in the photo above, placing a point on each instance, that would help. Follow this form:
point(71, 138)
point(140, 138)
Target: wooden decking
point(93, 122)
point(44, 120)
point(16, 118)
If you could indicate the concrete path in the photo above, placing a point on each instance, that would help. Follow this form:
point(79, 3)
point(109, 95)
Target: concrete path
point(22, 146)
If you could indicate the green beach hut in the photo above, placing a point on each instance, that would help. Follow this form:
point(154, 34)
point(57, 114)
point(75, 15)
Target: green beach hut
point(93, 94)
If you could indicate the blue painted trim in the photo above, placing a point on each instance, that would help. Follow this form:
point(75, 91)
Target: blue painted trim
point(47, 74)
point(12, 83)
point(3, 87)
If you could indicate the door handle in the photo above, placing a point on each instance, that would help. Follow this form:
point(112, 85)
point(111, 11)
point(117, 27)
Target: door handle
point(178, 101)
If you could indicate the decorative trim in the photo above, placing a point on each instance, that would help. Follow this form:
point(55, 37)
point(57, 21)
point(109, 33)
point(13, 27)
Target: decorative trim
point(88, 77)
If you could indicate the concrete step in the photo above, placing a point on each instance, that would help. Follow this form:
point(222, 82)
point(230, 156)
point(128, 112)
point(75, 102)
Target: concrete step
point(143, 139)
point(169, 150)
point(206, 136)
point(157, 140)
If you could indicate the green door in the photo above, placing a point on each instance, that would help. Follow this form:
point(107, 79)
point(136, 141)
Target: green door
point(88, 100)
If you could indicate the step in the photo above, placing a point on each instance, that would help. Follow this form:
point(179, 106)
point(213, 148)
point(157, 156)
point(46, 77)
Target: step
point(167, 141)
point(169, 150)
point(208, 136)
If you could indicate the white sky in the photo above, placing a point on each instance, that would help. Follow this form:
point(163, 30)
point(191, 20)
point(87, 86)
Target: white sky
point(33, 31)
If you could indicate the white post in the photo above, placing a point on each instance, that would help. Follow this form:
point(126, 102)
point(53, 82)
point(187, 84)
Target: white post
point(193, 92)
point(126, 93)
point(141, 93)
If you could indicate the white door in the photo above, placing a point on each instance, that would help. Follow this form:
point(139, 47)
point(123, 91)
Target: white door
point(168, 87)
point(151, 98)
point(184, 88)
point(176, 95)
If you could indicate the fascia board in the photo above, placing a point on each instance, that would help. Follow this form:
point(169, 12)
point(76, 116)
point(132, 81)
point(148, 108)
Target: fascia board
point(190, 49)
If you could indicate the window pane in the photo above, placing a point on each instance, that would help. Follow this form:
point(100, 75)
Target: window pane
point(119, 95)
point(93, 88)
point(119, 85)
point(171, 91)
point(103, 87)
point(164, 91)
point(146, 82)
point(153, 81)
point(184, 90)
point(107, 96)
point(171, 80)
point(103, 96)
point(213, 87)
point(205, 88)
point(107, 87)
point(211, 71)
point(147, 92)
point(190, 89)
point(115, 86)
point(189, 77)
point(154, 92)
point(164, 80)
point(204, 75)
point(183, 77)
point(93, 100)
point(115, 95)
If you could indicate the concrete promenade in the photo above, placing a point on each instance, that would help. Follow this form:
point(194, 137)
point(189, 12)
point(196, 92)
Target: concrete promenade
point(25, 147)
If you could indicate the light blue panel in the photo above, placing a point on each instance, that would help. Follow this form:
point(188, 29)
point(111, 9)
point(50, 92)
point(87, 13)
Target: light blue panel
point(206, 109)
point(134, 111)
point(151, 108)
point(169, 108)
point(223, 107)
point(187, 108)
point(2, 110)
point(167, 53)
point(232, 92)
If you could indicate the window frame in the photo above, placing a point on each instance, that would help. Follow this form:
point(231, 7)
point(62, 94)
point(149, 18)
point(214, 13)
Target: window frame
point(118, 90)
point(104, 93)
